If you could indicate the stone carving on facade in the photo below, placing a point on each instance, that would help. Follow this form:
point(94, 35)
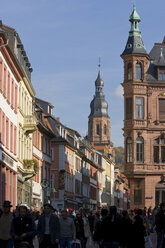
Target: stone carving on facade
point(162, 94)
point(162, 135)
point(162, 178)
point(149, 117)
point(157, 122)
point(139, 133)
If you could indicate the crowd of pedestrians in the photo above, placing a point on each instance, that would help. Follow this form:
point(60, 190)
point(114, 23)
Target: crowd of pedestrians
point(23, 228)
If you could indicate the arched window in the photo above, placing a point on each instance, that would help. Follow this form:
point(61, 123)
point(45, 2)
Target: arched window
point(97, 129)
point(138, 71)
point(159, 150)
point(129, 71)
point(129, 149)
point(139, 150)
point(156, 151)
point(105, 129)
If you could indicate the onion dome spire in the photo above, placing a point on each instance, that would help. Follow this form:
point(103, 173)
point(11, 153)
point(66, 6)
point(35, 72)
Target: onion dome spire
point(99, 106)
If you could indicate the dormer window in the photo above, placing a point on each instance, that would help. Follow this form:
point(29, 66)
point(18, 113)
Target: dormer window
point(138, 71)
point(129, 71)
point(162, 76)
point(161, 73)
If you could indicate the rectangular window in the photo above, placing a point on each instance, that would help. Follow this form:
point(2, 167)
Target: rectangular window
point(163, 154)
point(52, 154)
point(139, 108)
point(137, 196)
point(15, 140)
point(3, 128)
point(139, 153)
point(129, 152)
point(98, 129)
point(5, 86)
point(8, 88)
point(162, 109)
point(129, 108)
point(162, 76)
point(1, 71)
point(12, 94)
point(7, 133)
point(156, 154)
point(16, 98)
point(11, 137)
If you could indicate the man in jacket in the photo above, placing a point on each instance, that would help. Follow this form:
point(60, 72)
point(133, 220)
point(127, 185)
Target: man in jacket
point(48, 230)
point(23, 228)
point(67, 230)
point(5, 225)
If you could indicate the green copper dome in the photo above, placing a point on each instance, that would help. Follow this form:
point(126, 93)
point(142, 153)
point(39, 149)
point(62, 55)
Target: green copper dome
point(134, 16)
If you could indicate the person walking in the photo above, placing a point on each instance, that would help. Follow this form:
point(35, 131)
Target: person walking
point(126, 227)
point(97, 231)
point(67, 230)
point(111, 229)
point(79, 224)
point(5, 225)
point(48, 229)
point(160, 225)
point(137, 233)
point(23, 228)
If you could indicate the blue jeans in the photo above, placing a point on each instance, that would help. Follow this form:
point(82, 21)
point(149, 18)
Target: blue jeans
point(65, 242)
point(6, 243)
point(159, 239)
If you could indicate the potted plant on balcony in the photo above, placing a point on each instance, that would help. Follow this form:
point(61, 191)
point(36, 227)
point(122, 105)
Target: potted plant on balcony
point(30, 164)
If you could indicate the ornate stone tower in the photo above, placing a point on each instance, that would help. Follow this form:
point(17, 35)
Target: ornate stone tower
point(144, 118)
point(99, 120)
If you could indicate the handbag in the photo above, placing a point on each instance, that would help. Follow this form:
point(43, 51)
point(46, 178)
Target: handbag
point(76, 244)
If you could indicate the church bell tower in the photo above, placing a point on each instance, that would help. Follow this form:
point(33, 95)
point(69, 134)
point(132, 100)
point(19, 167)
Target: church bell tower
point(99, 120)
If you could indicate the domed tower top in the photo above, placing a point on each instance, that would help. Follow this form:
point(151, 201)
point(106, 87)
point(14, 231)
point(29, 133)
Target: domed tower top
point(99, 106)
point(134, 43)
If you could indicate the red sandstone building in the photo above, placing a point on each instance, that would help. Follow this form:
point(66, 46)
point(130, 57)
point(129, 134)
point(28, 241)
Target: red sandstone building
point(144, 118)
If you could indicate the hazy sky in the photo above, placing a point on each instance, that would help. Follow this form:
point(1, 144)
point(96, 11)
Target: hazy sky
point(64, 39)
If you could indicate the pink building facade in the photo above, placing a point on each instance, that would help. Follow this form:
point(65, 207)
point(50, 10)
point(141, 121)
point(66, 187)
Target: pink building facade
point(10, 76)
